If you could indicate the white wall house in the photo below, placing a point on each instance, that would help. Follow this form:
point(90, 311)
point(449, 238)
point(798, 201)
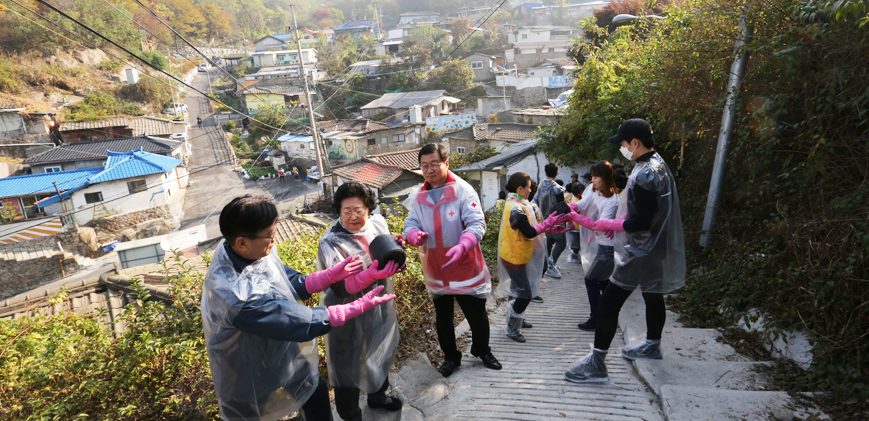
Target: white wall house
point(150, 190)
point(282, 57)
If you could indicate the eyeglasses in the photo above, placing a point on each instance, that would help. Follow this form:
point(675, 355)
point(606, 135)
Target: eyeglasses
point(351, 212)
point(426, 167)
point(271, 237)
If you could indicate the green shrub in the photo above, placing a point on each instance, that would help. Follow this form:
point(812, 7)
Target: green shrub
point(148, 91)
point(9, 77)
point(229, 126)
point(156, 58)
point(109, 65)
point(100, 105)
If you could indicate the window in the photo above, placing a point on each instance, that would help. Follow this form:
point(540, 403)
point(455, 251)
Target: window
point(476, 64)
point(372, 142)
point(136, 186)
point(524, 36)
point(460, 149)
point(571, 12)
point(93, 197)
point(384, 141)
point(53, 169)
point(2, 204)
point(398, 138)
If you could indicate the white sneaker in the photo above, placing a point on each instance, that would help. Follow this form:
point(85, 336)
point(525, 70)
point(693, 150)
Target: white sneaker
point(643, 350)
point(574, 258)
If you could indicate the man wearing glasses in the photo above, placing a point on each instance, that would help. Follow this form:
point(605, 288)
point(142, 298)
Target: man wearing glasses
point(446, 222)
point(259, 336)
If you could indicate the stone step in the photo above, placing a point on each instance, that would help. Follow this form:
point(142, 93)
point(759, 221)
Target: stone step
point(688, 344)
point(713, 374)
point(690, 403)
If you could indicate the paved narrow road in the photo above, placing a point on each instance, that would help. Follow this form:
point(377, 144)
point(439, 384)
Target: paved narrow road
point(212, 180)
point(531, 385)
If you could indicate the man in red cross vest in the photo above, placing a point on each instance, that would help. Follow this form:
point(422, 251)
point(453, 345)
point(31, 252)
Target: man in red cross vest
point(446, 222)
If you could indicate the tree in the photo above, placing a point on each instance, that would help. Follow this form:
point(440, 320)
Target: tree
point(219, 22)
point(461, 28)
point(426, 44)
point(451, 75)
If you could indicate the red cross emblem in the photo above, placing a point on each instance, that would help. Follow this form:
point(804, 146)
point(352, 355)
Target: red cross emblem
point(452, 213)
point(473, 204)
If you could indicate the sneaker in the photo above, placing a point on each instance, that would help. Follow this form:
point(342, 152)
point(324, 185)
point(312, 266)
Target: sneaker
point(516, 336)
point(537, 299)
point(553, 272)
point(574, 258)
point(526, 325)
point(643, 350)
point(588, 369)
point(589, 325)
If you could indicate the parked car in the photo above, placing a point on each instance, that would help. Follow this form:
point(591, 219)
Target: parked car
point(181, 137)
point(176, 108)
point(204, 67)
point(562, 99)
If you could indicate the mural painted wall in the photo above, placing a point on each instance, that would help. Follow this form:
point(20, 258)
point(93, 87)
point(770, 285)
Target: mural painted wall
point(343, 149)
point(451, 122)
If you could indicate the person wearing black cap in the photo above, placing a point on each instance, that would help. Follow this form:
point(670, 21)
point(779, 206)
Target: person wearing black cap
point(586, 178)
point(649, 252)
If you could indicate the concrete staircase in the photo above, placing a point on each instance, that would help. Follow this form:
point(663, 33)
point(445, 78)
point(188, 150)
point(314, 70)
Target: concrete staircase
point(701, 377)
point(16, 251)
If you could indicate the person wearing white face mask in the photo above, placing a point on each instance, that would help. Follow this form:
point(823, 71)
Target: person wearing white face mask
point(649, 252)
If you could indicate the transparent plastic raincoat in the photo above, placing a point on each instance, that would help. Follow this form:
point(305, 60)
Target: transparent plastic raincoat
point(595, 206)
point(654, 260)
point(545, 197)
point(445, 213)
point(520, 259)
point(254, 377)
point(359, 353)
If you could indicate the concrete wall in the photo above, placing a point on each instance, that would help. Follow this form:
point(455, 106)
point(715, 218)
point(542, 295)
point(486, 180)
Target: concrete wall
point(12, 124)
point(489, 105)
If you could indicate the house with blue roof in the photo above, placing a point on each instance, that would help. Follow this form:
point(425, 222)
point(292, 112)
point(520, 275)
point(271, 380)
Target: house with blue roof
point(22, 192)
point(357, 28)
point(129, 182)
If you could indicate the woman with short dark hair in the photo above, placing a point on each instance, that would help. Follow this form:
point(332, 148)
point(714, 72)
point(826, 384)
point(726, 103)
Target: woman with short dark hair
point(359, 353)
point(522, 251)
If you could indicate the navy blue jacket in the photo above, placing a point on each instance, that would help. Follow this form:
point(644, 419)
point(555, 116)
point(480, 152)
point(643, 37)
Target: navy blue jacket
point(277, 317)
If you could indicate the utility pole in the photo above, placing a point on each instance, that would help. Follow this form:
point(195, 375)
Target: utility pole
point(737, 70)
point(314, 132)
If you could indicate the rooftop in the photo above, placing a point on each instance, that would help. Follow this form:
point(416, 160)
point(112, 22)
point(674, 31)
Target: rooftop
point(514, 153)
point(145, 125)
point(135, 163)
point(44, 183)
point(293, 229)
point(361, 125)
point(99, 149)
point(368, 172)
point(408, 160)
point(421, 13)
point(402, 100)
point(508, 132)
point(270, 87)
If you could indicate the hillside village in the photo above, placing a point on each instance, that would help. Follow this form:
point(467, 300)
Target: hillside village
point(127, 125)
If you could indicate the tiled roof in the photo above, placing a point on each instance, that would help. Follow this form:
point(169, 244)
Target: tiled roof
point(120, 121)
point(260, 88)
point(368, 172)
point(293, 229)
point(358, 125)
point(145, 125)
point(121, 165)
point(507, 132)
point(44, 183)
point(10, 107)
point(99, 149)
point(151, 126)
point(408, 160)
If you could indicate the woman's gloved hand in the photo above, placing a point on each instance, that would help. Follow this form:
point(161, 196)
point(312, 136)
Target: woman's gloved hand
point(416, 238)
point(581, 220)
point(551, 223)
point(339, 314)
point(361, 280)
point(466, 242)
point(574, 206)
point(400, 240)
point(609, 225)
point(318, 281)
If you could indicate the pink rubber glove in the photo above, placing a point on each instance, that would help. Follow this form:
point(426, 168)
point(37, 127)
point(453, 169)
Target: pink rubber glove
point(551, 222)
point(466, 242)
point(416, 238)
point(609, 225)
point(400, 240)
point(581, 220)
point(609, 234)
point(574, 207)
point(318, 281)
point(361, 280)
point(339, 314)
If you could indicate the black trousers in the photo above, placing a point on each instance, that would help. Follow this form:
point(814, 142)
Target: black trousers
point(478, 318)
point(347, 400)
point(317, 407)
point(611, 302)
point(555, 245)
